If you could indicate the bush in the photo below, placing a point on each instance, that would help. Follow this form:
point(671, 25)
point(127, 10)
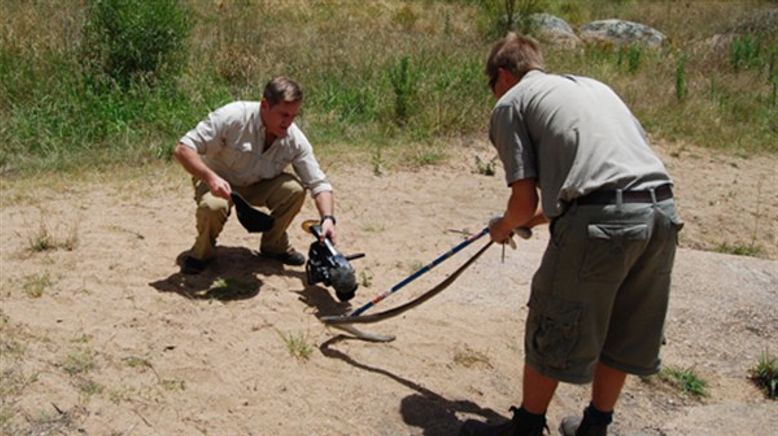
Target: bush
point(131, 40)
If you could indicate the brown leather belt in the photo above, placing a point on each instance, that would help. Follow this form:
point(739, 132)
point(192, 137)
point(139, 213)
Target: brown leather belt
point(662, 193)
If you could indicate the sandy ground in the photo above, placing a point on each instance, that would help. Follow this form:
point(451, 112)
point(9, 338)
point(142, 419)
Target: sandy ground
point(101, 335)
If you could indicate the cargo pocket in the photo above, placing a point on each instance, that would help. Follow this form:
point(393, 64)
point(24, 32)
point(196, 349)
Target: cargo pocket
point(553, 327)
point(605, 251)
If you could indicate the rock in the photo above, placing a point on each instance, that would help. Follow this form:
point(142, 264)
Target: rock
point(620, 32)
point(555, 30)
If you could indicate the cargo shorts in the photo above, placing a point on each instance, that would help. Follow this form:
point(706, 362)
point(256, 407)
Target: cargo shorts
point(602, 289)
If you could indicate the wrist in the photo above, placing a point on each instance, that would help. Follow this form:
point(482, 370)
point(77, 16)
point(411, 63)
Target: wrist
point(328, 217)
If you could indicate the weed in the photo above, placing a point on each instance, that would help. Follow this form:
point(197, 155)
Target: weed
point(406, 17)
point(79, 362)
point(686, 380)
point(42, 240)
point(765, 374)
point(137, 362)
point(414, 266)
point(485, 168)
point(297, 345)
point(404, 78)
point(470, 358)
point(89, 387)
point(680, 78)
point(631, 55)
point(426, 154)
point(173, 385)
point(376, 159)
point(752, 250)
point(365, 278)
point(745, 52)
point(34, 285)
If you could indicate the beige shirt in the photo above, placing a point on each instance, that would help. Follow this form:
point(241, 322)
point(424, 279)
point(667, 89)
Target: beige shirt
point(575, 136)
point(232, 143)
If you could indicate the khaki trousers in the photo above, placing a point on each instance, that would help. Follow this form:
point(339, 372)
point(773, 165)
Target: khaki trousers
point(283, 195)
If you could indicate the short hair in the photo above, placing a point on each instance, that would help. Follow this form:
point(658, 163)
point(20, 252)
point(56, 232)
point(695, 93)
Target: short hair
point(516, 53)
point(282, 89)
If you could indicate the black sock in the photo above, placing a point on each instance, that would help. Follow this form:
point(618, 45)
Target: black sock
point(530, 418)
point(597, 417)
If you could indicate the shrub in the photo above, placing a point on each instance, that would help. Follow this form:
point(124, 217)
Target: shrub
point(404, 80)
point(128, 40)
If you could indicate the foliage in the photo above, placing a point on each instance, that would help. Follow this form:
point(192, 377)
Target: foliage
point(404, 81)
point(686, 380)
point(765, 374)
point(131, 40)
point(753, 250)
point(121, 81)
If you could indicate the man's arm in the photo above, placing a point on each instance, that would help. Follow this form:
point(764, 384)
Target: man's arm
point(522, 211)
point(325, 203)
point(195, 166)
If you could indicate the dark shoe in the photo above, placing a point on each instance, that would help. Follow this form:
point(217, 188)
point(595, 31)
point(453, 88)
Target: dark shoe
point(291, 257)
point(522, 424)
point(194, 266)
point(575, 426)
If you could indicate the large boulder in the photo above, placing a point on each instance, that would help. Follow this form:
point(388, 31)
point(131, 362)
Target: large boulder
point(621, 32)
point(555, 30)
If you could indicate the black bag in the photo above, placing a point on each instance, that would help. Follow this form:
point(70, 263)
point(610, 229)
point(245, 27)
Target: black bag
point(251, 219)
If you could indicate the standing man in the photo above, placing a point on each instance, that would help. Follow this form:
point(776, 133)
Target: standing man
point(598, 300)
point(245, 147)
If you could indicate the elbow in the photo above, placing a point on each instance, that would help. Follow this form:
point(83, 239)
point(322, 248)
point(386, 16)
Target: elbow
point(179, 151)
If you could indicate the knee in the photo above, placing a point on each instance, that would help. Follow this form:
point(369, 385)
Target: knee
point(293, 190)
point(211, 204)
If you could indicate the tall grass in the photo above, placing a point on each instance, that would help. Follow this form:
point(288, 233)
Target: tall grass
point(377, 75)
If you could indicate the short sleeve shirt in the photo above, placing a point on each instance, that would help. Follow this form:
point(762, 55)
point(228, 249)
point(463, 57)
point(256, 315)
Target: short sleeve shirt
point(231, 141)
point(574, 135)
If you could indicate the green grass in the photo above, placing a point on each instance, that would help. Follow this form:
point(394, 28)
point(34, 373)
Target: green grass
point(765, 374)
point(79, 362)
point(74, 98)
point(753, 250)
point(686, 380)
point(297, 345)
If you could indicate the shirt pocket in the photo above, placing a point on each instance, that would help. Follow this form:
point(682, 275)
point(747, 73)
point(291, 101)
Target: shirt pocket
point(240, 157)
point(607, 250)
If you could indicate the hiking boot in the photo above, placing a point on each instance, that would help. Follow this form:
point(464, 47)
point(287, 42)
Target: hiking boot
point(191, 265)
point(291, 257)
point(576, 426)
point(522, 424)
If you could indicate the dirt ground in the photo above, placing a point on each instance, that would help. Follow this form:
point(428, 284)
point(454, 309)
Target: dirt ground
point(101, 335)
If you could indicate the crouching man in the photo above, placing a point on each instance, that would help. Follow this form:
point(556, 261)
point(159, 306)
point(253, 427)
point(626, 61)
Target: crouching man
point(244, 147)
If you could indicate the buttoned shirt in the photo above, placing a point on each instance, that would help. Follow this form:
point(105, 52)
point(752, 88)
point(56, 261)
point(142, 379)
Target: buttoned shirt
point(231, 141)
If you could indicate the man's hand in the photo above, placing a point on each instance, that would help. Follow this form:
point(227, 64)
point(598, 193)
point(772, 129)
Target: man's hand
point(328, 231)
point(219, 187)
point(499, 231)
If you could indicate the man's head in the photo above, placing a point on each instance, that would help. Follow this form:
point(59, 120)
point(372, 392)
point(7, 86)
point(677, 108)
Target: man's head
point(513, 54)
point(281, 101)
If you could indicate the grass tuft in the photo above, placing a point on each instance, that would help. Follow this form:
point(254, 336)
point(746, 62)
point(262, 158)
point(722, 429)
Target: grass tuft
point(79, 362)
point(686, 380)
point(765, 375)
point(297, 345)
point(753, 250)
point(34, 285)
